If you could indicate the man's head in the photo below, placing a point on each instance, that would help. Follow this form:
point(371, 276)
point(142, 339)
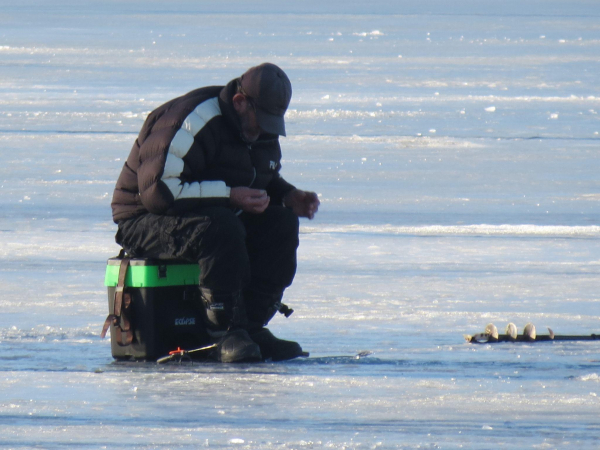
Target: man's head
point(264, 93)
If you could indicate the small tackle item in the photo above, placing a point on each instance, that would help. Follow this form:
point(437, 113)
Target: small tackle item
point(179, 355)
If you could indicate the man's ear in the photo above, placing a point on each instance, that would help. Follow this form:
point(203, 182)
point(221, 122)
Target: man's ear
point(239, 102)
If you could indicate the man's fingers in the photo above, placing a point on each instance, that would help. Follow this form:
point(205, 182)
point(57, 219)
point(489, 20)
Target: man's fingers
point(255, 201)
point(257, 193)
point(311, 201)
point(257, 204)
point(314, 198)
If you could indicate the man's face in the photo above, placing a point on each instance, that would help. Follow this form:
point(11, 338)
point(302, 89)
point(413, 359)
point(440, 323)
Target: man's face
point(250, 128)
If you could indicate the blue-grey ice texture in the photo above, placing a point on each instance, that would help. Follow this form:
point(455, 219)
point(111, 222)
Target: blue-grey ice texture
point(455, 149)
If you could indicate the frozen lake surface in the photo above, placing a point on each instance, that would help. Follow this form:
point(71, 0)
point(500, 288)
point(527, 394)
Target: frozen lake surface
point(455, 147)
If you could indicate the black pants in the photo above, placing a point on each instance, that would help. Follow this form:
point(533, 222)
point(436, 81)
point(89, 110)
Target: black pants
point(255, 251)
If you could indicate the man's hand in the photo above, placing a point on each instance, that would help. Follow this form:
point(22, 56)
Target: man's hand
point(249, 200)
point(303, 203)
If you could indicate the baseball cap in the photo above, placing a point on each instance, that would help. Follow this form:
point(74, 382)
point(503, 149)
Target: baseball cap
point(271, 91)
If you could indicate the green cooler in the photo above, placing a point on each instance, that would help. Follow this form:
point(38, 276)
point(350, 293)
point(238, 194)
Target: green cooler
point(161, 308)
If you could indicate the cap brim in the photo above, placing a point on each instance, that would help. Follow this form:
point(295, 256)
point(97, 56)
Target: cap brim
point(271, 123)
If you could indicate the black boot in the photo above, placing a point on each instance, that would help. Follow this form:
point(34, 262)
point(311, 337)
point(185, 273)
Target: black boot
point(235, 345)
point(225, 321)
point(261, 307)
point(274, 348)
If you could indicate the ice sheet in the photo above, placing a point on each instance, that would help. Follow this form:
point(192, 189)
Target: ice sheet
point(454, 146)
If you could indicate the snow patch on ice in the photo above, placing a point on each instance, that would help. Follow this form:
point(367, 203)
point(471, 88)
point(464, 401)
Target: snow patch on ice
point(372, 33)
point(590, 197)
point(589, 377)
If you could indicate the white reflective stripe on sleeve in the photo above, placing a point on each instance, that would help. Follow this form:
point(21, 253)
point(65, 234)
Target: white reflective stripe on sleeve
point(173, 167)
point(181, 143)
point(174, 186)
point(213, 189)
point(200, 116)
point(193, 124)
point(190, 190)
point(180, 146)
point(208, 109)
point(206, 189)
